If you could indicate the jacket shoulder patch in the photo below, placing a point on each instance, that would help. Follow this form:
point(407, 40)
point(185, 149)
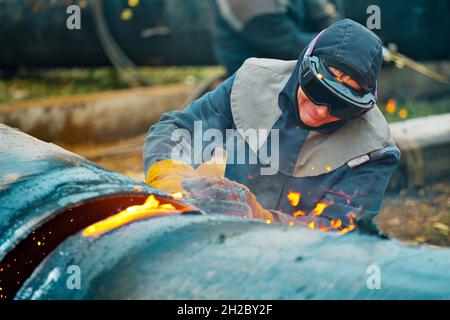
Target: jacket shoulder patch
point(358, 161)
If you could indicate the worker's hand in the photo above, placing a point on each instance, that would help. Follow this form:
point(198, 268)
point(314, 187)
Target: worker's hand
point(220, 188)
point(167, 175)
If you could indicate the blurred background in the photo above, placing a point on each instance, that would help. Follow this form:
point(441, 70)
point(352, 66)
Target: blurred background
point(96, 90)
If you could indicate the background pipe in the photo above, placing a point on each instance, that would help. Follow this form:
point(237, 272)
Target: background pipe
point(177, 32)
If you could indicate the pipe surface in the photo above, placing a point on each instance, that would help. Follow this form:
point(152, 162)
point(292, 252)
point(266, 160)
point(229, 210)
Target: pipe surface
point(184, 256)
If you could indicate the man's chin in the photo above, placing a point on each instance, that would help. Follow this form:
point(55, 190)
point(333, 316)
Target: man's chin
point(310, 122)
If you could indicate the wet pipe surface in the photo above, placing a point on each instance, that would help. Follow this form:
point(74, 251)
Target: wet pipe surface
point(19, 263)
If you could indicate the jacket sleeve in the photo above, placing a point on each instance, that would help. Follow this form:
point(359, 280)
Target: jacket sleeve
point(277, 36)
point(359, 192)
point(175, 129)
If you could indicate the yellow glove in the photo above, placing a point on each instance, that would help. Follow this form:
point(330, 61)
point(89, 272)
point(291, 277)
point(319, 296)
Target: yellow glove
point(167, 175)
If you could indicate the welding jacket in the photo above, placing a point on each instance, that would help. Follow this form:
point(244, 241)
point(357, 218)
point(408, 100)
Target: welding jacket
point(277, 29)
point(348, 166)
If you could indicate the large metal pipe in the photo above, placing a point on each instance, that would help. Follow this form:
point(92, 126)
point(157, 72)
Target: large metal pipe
point(177, 32)
point(181, 256)
point(47, 194)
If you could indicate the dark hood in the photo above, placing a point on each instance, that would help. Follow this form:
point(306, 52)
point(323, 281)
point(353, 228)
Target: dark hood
point(352, 48)
point(348, 46)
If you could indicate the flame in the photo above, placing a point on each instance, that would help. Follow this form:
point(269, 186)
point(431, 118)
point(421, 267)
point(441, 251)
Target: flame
point(294, 198)
point(311, 225)
point(299, 213)
point(317, 211)
point(336, 224)
point(151, 207)
point(351, 216)
point(177, 195)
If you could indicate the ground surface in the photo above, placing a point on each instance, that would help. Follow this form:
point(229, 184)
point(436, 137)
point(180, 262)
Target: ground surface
point(421, 216)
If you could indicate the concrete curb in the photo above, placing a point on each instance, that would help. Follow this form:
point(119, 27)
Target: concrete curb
point(68, 120)
point(425, 146)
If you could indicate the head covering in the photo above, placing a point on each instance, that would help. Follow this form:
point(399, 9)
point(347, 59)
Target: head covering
point(353, 49)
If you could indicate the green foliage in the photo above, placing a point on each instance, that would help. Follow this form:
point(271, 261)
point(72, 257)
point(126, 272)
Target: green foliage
point(416, 108)
point(43, 84)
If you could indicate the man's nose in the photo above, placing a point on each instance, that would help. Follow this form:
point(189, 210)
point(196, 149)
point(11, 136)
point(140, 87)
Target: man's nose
point(322, 111)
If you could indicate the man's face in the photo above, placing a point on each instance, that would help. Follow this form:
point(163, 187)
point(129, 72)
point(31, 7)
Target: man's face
point(315, 116)
point(311, 114)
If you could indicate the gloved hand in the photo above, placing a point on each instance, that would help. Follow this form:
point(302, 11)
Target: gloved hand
point(167, 175)
point(220, 188)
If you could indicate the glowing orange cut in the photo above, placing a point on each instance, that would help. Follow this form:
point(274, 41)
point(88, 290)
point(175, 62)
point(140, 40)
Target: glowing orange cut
point(151, 207)
point(336, 224)
point(352, 225)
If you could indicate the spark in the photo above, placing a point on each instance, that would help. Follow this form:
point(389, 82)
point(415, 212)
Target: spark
point(294, 198)
point(318, 210)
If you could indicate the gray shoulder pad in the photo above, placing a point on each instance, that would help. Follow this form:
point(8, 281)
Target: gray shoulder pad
point(353, 143)
point(239, 12)
point(254, 95)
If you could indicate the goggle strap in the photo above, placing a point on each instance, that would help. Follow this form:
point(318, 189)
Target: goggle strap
point(312, 44)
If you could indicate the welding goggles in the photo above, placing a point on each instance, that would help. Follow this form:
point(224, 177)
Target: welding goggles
point(322, 88)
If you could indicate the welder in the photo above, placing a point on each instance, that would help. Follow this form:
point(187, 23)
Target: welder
point(334, 143)
point(277, 29)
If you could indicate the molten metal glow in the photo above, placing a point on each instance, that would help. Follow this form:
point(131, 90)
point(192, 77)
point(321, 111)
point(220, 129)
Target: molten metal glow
point(299, 213)
point(178, 195)
point(403, 113)
point(317, 211)
point(336, 224)
point(294, 198)
point(151, 207)
point(352, 225)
